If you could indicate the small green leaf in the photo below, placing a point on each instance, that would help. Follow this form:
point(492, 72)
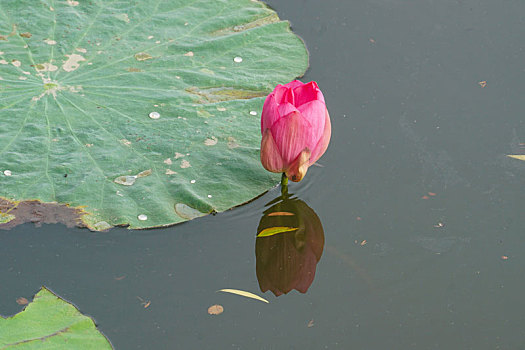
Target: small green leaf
point(49, 322)
point(270, 231)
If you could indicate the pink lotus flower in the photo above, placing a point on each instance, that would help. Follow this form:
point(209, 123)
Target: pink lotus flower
point(295, 128)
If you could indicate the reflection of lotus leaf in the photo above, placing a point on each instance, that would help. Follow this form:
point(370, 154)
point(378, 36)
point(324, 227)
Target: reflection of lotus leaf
point(95, 93)
point(288, 260)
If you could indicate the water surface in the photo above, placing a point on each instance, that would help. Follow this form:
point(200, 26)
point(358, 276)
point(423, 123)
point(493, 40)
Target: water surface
point(417, 198)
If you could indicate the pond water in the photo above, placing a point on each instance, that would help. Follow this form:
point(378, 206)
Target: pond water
point(422, 212)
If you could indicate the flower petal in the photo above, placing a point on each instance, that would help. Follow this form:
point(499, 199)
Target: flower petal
point(307, 92)
point(269, 114)
point(270, 155)
point(321, 147)
point(293, 84)
point(315, 113)
point(292, 134)
point(280, 93)
point(285, 109)
point(297, 170)
point(289, 97)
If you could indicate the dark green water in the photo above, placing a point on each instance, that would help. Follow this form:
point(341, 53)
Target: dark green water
point(409, 117)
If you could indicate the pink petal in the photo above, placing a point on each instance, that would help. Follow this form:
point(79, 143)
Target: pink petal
point(292, 134)
point(270, 156)
point(297, 170)
point(315, 113)
point(293, 84)
point(289, 97)
point(307, 92)
point(285, 109)
point(280, 93)
point(321, 147)
point(269, 114)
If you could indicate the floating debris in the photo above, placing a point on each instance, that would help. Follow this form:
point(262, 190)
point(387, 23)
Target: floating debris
point(8, 173)
point(215, 310)
point(253, 113)
point(237, 59)
point(244, 294)
point(22, 301)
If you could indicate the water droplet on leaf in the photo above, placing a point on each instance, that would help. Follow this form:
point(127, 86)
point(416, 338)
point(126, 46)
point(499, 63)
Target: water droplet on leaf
point(154, 115)
point(187, 212)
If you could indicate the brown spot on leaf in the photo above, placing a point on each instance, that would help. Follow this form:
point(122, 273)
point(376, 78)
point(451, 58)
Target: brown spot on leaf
point(39, 213)
point(26, 35)
point(142, 56)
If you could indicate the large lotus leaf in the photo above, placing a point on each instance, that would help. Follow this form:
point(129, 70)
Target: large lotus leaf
point(139, 112)
point(50, 323)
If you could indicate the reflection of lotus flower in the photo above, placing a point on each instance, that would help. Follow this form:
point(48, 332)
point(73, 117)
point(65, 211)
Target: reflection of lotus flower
point(295, 129)
point(288, 260)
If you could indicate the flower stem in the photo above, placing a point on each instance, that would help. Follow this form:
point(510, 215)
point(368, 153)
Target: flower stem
point(284, 185)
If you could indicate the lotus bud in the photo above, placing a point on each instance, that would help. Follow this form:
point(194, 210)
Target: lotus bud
point(295, 128)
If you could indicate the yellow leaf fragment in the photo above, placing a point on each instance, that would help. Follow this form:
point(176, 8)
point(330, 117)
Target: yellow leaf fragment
point(275, 230)
point(517, 156)
point(244, 294)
